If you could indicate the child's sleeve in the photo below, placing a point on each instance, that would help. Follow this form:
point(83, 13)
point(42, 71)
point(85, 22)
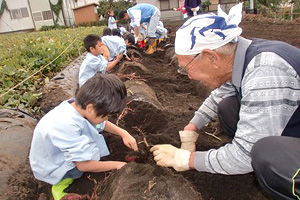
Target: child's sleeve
point(98, 64)
point(136, 20)
point(77, 146)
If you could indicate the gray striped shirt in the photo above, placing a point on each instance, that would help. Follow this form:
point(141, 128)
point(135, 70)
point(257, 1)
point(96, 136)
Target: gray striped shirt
point(270, 96)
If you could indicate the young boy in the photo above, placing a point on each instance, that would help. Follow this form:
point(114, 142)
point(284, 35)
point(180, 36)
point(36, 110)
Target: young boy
point(117, 45)
point(66, 142)
point(94, 61)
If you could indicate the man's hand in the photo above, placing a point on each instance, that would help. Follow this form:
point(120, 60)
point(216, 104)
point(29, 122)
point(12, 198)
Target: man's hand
point(167, 155)
point(129, 141)
point(188, 140)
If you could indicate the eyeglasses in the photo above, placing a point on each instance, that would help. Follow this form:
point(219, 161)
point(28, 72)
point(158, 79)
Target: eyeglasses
point(184, 70)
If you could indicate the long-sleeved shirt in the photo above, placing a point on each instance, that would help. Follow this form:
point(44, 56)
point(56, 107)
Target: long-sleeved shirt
point(90, 66)
point(111, 23)
point(189, 4)
point(269, 87)
point(115, 45)
point(141, 13)
point(62, 137)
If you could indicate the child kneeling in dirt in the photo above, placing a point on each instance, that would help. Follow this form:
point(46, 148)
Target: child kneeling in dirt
point(117, 45)
point(94, 62)
point(66, 142)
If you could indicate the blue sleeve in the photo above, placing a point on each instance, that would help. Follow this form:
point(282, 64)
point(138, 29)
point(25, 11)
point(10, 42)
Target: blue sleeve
point(75, 145)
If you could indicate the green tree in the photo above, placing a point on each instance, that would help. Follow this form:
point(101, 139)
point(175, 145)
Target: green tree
point(106, 5)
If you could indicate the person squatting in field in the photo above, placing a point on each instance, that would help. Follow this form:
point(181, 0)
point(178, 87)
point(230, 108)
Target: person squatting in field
point(256, 96)
point(66, 141)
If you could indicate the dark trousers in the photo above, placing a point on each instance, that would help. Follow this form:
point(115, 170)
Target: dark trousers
point(228, 113)
point(275, 160)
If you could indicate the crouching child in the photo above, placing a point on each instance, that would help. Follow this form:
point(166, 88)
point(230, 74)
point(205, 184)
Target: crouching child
point(66, 141)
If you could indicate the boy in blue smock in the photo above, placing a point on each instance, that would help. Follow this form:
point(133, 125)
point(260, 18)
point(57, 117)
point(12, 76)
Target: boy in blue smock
point(66, 142)
point(94, 62)
point(139, 14)
point(117, 45)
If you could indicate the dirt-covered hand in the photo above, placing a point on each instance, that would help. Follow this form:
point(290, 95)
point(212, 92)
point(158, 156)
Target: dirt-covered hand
point(167, 155)
point(130, 142)
point(188, 140)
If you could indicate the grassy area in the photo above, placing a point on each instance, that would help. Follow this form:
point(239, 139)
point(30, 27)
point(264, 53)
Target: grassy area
point(22, 54)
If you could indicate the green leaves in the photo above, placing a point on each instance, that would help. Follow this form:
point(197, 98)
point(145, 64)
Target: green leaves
point(22, 54)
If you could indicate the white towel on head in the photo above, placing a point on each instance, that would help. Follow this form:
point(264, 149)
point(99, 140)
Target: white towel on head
point(208, 31)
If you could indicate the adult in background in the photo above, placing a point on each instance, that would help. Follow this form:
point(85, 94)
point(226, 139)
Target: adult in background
point(256, 97)
point(193, 7)
point(139, 14)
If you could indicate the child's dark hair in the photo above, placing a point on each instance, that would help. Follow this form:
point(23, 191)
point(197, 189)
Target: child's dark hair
point(91, 41)
point(116, 32)
point(169, 30)
point(106, 31)
point(122, 14)
point(106, 92)
point(130, 38)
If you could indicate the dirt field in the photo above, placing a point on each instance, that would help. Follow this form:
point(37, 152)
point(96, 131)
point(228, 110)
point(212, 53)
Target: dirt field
point(179, 98)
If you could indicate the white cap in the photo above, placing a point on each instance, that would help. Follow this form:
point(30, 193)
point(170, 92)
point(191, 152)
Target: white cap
point(208, 31)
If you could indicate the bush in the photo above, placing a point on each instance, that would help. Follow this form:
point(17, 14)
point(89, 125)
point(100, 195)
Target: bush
point(102, 22)
point(47, 28)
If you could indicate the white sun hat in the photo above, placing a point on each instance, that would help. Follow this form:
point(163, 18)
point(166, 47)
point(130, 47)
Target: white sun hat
point(208, 31)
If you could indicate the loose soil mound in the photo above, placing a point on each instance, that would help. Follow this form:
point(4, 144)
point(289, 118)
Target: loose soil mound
point(179, 98)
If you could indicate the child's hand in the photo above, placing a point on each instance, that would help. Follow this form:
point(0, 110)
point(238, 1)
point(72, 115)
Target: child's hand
point(127, 58)
point(119, 165)
point(119, 56)
point(129, 141)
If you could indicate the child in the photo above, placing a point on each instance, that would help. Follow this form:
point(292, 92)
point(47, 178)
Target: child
point(94, 61)
point(117, 45)
point(66, 142)
point(112, 22)
point(116, 32)
point(106, 31)
point(161, 32)
point(123, 30)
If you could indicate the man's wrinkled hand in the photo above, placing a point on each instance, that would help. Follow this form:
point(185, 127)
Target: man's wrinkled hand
point(167, 155)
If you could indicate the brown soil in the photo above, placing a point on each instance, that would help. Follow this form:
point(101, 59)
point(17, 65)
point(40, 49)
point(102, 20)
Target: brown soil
point(180, 98)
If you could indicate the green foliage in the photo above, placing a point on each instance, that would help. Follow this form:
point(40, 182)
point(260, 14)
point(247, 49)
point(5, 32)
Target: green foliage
point(56, 26)
point(205, 5)
point(95, 23)
point(116, 6)
point(56, 8)
point(22, 54)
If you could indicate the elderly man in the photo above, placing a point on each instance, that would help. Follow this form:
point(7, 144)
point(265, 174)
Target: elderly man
point(139, 14)
point(256, 97)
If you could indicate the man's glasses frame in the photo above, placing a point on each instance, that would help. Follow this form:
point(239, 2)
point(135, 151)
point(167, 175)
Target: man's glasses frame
point(184, 69)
